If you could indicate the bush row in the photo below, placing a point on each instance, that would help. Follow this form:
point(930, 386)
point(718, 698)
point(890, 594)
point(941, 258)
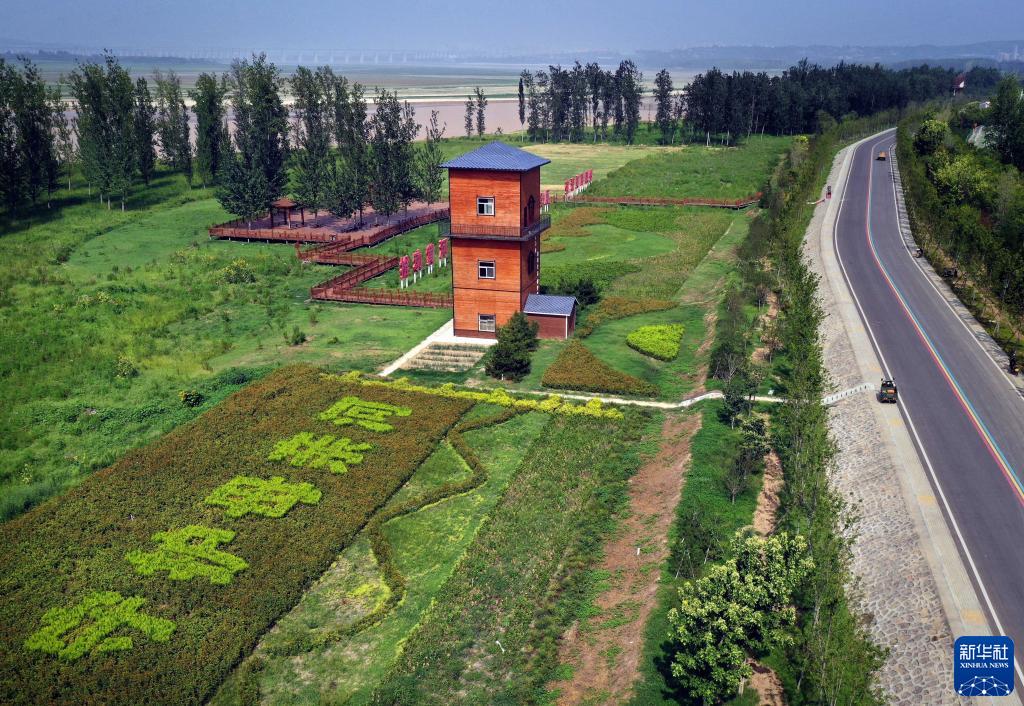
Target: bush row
point(552, 404)
point(576, 368)
point(616, 307)
point(62, 552)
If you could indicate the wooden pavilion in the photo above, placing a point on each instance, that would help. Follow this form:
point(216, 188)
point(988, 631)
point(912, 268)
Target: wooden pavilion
point(284, 206)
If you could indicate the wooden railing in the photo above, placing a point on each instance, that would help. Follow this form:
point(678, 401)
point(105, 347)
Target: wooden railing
point(484, 230)
point(388, 297)
point(346, 240)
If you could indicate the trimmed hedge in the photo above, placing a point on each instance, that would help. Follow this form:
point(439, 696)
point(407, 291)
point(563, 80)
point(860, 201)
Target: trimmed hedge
point(61, 553)
point(611, 308)
point(576, 368)
point(659, 341)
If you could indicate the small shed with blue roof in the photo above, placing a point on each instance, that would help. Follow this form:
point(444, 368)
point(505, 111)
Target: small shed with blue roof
point(554, 315)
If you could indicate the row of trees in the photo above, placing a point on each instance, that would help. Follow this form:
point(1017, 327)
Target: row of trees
point(31, 118)
point(329, 153)
point(967, 203)
point(559, 104)
point(807, 97)
point(332, 156)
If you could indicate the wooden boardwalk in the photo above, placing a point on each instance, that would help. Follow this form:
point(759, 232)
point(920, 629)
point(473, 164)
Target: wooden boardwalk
point(343, 233)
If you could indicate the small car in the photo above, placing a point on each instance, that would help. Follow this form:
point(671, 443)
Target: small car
point(882, 156)
point(887, 391)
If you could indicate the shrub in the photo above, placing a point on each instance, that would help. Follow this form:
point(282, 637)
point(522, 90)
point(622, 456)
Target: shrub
point(615, 307)
point(576, 368)
point(510, 358)
point(238, 272)
point(125, 368)
point(190, 398)
point(660, 341)
point(296, 338)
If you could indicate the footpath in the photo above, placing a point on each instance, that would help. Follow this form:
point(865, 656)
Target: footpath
point(912, 581)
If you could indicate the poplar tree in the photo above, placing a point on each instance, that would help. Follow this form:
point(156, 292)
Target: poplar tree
point(312, 130)
point(394, 128)
point(261, 120)
point(522, 100)
point(173, 124)
point(67, 150)
point(256, 173)
point(92, 126)
point(213, 143)
point(630, 84)
point(120, 92)
point(470, 107)
point(11, 173)
point(481, 106)
point(430, 157)
point(144, 130)
point(34, 133)
point(664, 104)
point(352, 134)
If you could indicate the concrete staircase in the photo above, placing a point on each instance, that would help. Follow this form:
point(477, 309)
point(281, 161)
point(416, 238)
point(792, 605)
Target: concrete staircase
point(446, 357)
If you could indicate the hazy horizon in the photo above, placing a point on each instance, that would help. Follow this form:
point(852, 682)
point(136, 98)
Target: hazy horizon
point(532, 27)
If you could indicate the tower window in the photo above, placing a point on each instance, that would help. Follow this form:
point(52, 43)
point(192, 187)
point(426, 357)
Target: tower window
point(531, 263)
point(485, 269)
point(485, 205)
point(485, 322)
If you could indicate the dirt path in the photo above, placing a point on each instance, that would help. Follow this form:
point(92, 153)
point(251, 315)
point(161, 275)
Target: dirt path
point(768, 499)
point(605, 649)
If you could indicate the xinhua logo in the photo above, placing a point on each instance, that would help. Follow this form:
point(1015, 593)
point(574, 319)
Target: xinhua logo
point(983, 666)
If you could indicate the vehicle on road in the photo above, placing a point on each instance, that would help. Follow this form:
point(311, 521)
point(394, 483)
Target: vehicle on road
point(883, 155)
point(887, 391)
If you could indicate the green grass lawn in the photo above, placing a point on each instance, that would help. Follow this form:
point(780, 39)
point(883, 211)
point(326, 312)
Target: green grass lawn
point(427, 545)
point(698, 171)
point(100, 345)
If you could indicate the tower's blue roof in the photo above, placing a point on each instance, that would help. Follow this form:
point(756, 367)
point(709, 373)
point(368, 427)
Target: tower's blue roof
point(497, 156)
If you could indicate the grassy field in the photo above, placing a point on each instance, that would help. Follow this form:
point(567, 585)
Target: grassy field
point(111, 315)
point(698, 171)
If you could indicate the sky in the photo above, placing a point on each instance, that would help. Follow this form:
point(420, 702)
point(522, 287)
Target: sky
point(521, 25)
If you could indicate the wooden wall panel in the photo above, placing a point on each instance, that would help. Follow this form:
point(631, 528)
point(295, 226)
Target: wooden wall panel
point(466, 184)
point(469, 303)
point(507, 261)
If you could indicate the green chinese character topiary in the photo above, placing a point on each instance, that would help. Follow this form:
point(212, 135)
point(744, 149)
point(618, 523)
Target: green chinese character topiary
point(306, 450)
point(369, 415)
point(188, 553)
point(102, 613)
point(270, 498)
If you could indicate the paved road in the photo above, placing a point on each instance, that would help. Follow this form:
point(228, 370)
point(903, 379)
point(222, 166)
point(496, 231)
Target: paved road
point(966, 418)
